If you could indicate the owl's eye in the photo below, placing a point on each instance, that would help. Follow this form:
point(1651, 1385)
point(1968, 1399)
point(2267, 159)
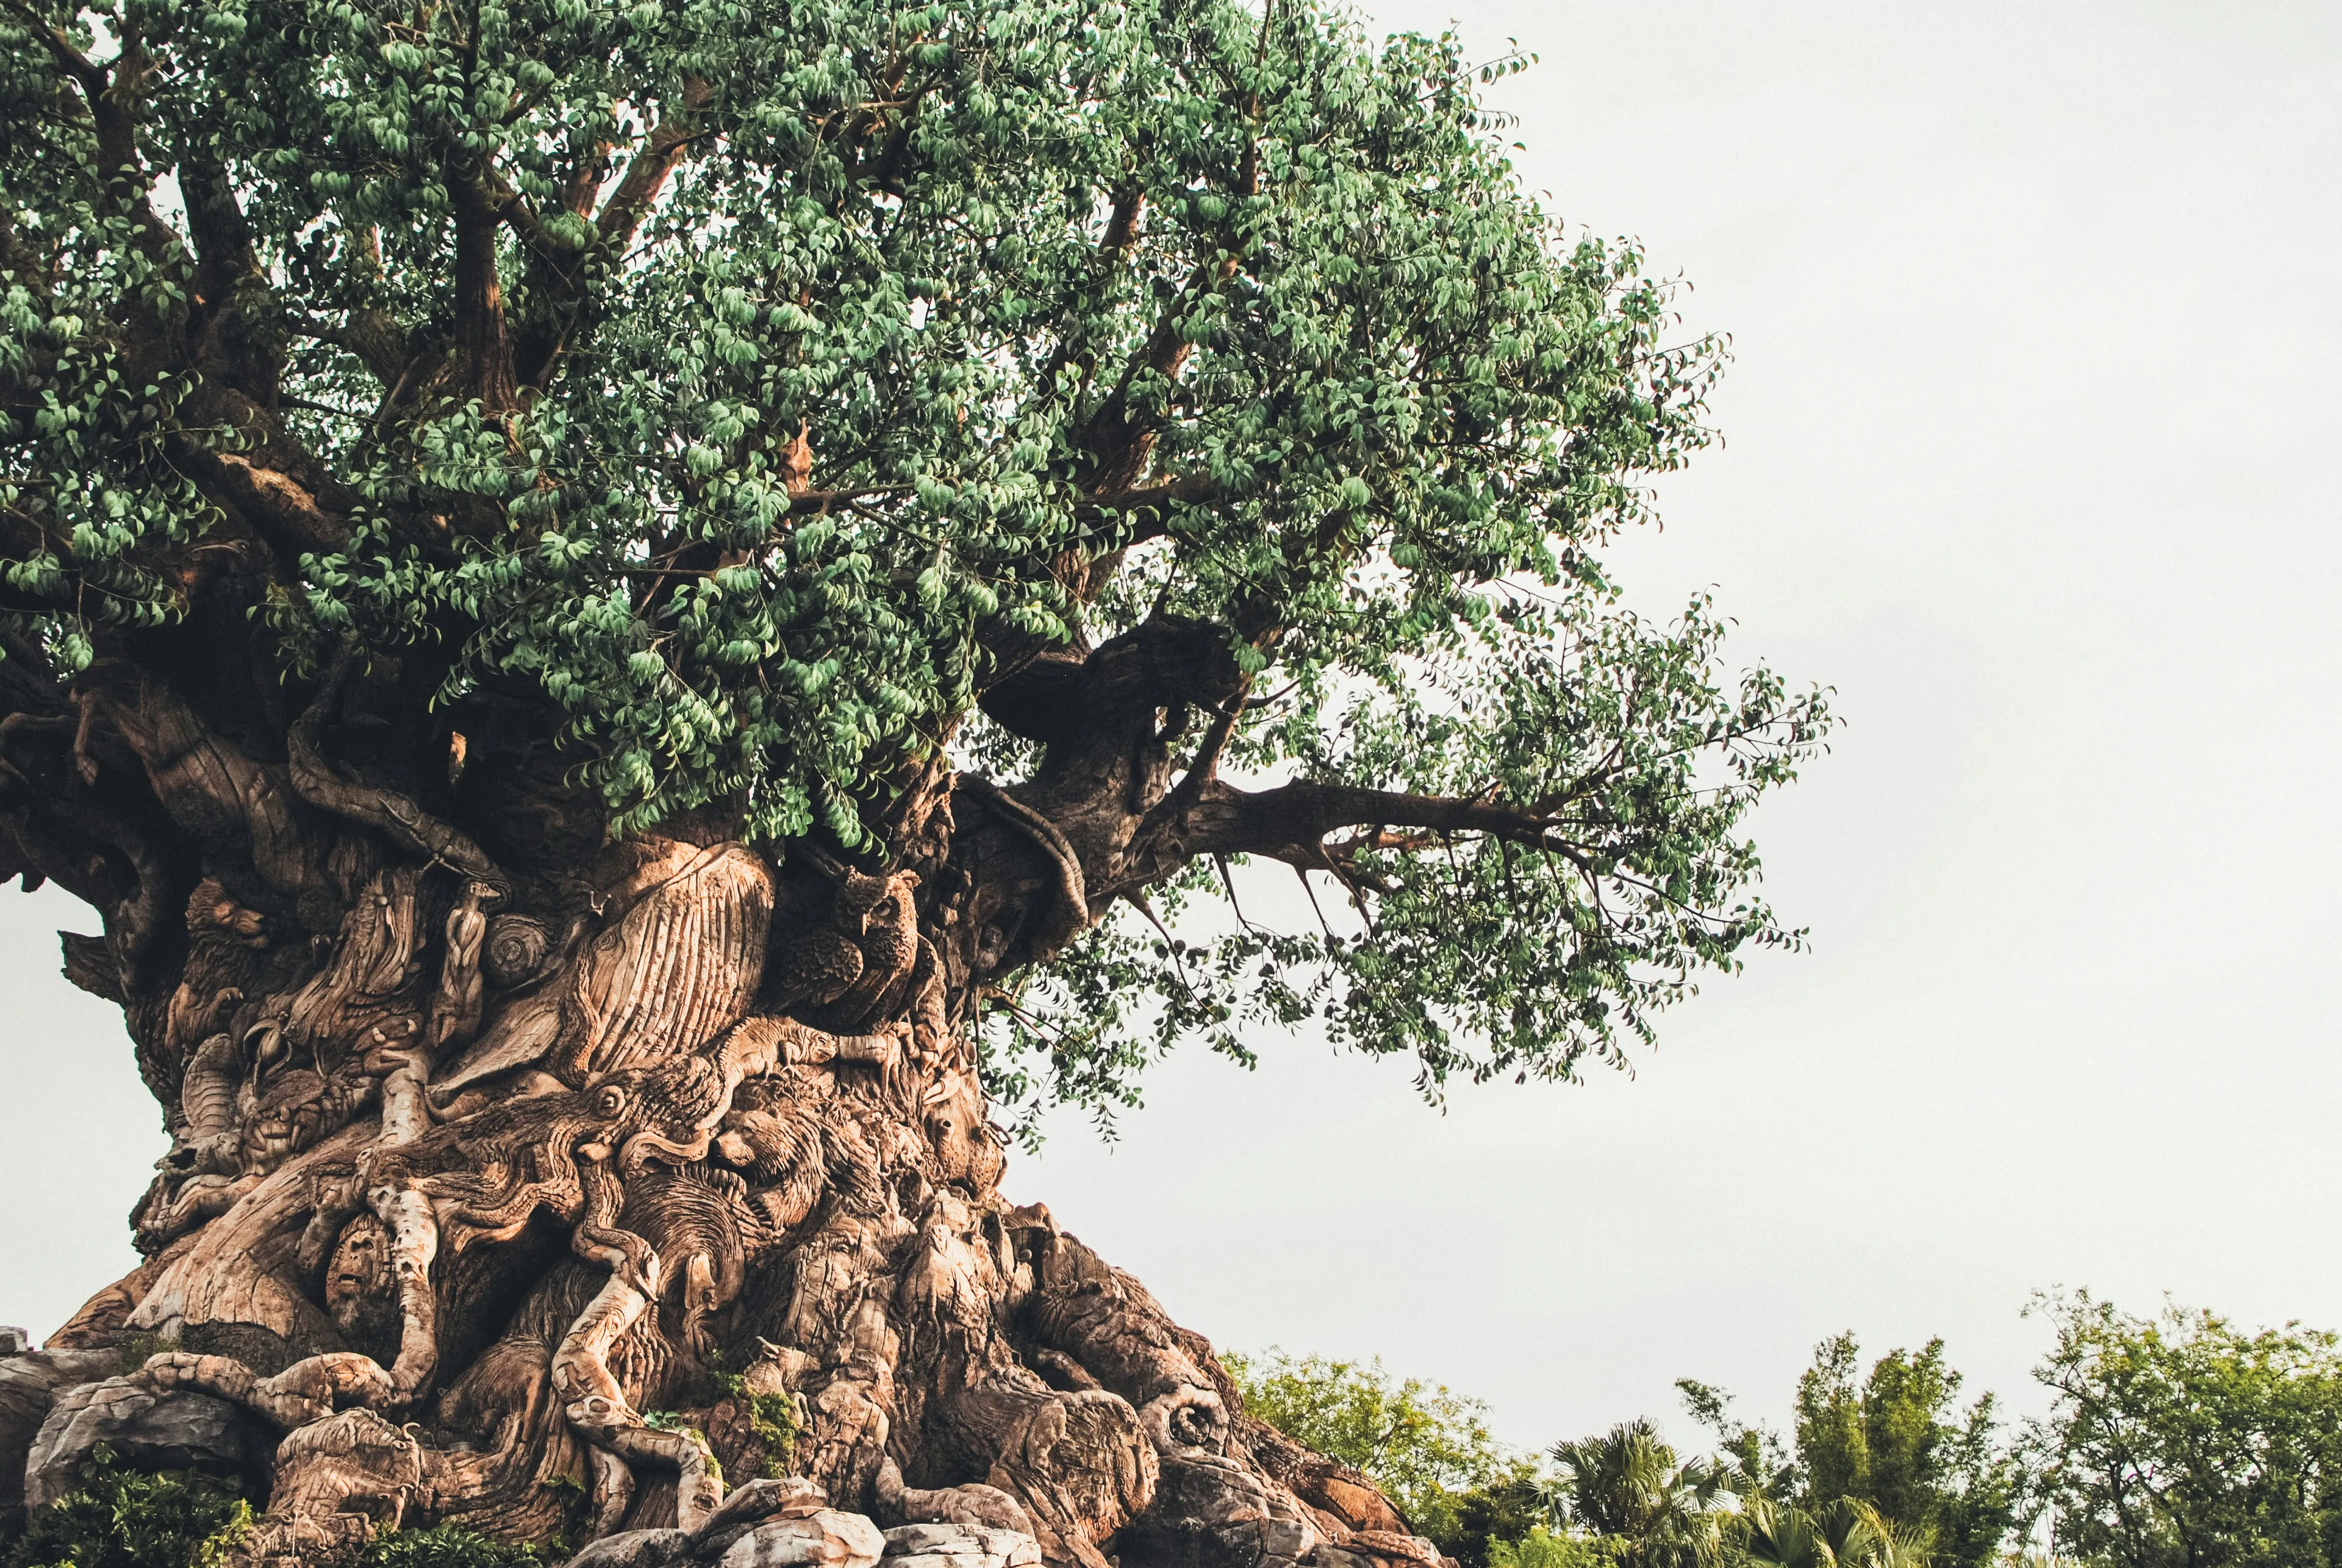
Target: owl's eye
point(610, 1101)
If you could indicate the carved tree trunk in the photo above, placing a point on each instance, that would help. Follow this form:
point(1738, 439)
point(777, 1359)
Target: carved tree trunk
point(550, 1184)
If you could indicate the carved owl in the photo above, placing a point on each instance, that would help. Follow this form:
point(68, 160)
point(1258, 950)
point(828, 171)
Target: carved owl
point(854, 955)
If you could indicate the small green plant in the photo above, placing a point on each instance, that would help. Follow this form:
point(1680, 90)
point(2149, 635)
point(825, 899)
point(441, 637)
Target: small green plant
point(772, 1419)
point(1541, 1548)
point(138, 1350)
point(124, 1518)
point(441, 1546)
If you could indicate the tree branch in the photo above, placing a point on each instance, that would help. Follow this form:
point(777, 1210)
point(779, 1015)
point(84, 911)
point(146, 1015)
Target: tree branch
point(1292, 822)
point(387, 812)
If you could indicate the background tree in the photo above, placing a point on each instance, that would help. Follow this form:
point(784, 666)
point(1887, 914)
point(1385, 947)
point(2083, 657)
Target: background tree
point(634, 615)
point(1428, 1449)
point(1896, 1440)
point(1937, 1482)
point(1627, 1488)
point(2181, 1439)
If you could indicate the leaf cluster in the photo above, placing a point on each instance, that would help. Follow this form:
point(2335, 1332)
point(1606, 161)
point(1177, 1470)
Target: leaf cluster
point(1422, 1444)
point(2182, 1439)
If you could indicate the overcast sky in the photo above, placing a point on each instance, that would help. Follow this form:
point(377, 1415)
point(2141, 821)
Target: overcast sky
point(2033, 454)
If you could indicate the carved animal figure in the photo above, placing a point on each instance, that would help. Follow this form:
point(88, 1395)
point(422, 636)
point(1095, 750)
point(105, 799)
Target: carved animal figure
point(866, 943)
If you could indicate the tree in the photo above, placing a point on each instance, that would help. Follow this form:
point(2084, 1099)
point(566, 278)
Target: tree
point(634, 615)
point(1429, 1450)
point(1626, 1486)
point(1845, 1534)
point(1512, 1514)
point(1937, 1481)
point(2181, 1439)
point(1896, 1443)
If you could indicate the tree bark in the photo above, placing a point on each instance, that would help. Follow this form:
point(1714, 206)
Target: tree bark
point(554, 1185)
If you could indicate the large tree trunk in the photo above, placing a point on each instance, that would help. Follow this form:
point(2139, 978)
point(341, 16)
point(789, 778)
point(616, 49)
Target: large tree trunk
point(548, 1185)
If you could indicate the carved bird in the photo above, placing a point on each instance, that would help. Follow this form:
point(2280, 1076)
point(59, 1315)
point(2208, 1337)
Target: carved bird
point(817, 966)
point(890, 947)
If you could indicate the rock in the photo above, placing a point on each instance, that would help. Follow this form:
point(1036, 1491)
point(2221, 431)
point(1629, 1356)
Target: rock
point(14, 1341)
point(28, 1386)
point(1027, 1554)
point(174, 1431)
point(1349, 1497)
point(1394, 1546)
point(827, 1539)
point(788, 1497)
point(635, 1549)
point(1287, 1538)
point(960, 1546)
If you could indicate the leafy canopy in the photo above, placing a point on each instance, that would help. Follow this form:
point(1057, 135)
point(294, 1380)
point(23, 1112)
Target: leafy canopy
point(1423, 1444)
point(761, 381)
point(1936, 1480)
point(2182, 1439)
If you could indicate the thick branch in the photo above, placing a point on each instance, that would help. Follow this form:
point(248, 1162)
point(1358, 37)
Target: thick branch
point(644, 177)
point(556, 273)
point(1292, 822)
point(387, 812)
point(481, 339)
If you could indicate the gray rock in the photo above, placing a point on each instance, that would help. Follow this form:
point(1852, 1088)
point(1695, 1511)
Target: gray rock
point(28, 1387)
point(1025, 1554)
point(14, 1341)
point(175, 1431)
point(789, 1497)
point(960, 1546)
point(635, 1549)
point(1286, 1538)
point(824, 1540)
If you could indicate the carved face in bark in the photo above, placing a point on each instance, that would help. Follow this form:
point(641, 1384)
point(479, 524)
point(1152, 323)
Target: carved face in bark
point(361, 1292)
point(359, 1268)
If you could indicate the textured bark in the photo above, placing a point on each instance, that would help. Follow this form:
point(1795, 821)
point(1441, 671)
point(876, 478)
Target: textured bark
point(557, 1185)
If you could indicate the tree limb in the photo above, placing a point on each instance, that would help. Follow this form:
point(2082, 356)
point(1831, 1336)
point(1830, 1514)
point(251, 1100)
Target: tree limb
point(387, 812)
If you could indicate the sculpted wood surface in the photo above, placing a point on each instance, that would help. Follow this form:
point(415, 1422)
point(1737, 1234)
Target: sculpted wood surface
point(561, 1197)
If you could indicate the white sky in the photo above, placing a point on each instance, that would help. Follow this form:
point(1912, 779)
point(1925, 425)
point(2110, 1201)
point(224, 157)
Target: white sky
point(2032, 439)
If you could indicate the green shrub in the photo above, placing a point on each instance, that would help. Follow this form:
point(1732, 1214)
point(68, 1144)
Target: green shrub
point(441, 1546)
point(1540, 1548)
point(124, 1518)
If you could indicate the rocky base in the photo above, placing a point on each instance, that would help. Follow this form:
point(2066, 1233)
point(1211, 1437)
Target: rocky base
point(352, 1473)
point(783, 1525)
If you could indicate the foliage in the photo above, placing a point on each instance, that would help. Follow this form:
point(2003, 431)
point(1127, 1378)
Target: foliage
point(440, 1547)
point(773, 1420)
point(124, 1518)
point(2183, 1440)
point(1895, 1441)
point(1846, 1533)
point(1758, 1463)
point(1926, 1478)
point(1484, 955)
point(758, 381)
point(1626, 1487)
point(1425, 1446)
point(139, 1349)
point(1542, 1548)
point(1477, 1526)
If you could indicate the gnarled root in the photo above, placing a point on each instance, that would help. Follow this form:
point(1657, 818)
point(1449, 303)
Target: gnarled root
point(303, 1393)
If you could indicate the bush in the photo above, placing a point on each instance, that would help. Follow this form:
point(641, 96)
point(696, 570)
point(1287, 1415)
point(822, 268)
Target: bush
point(124, 1518)
point(441, 1546)
point(1540, 1548)
point(1421, 1443)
